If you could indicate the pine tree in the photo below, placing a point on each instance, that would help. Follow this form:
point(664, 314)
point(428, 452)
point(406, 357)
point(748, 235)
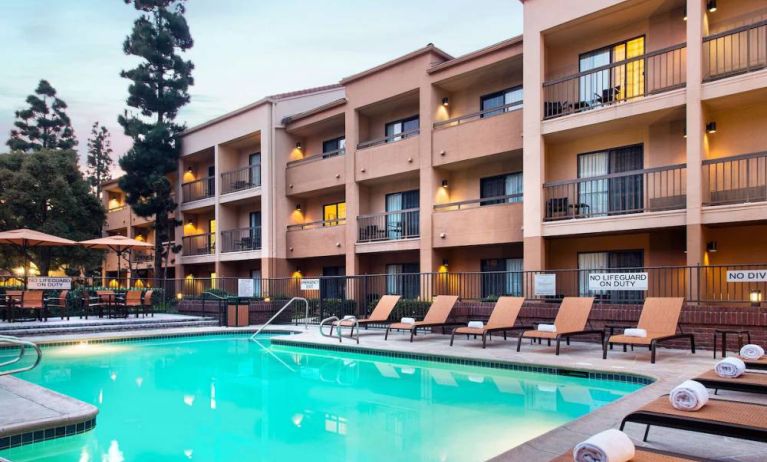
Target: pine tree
point(159, 88)
point(44, 124)
point(99, 157)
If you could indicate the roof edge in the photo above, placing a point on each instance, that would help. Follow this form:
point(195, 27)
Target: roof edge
point(476, 54)
point(429, 48)
point(301, 115)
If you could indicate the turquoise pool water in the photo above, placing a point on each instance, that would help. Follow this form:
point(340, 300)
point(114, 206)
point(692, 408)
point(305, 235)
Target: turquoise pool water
point(223, 398)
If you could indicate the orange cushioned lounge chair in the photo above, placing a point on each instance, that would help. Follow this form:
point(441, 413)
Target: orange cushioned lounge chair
point(502, 319)
point(380, 314)
point(437, 316)
point(571, 320)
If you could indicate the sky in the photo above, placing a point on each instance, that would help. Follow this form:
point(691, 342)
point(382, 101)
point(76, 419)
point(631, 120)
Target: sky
point(243, 51)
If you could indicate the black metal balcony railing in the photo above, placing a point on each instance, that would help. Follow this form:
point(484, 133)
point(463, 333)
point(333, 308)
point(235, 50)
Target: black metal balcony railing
point(241, 240)
point(199, 244)
point(317, 224)
point(648, 190)
point(142, 258)
point(651, 73)
point(118, 208)
point(198, 189)
point(485, 201)
point(735, 51)
point(317, 157)
point(735, 180)
point(487, 113)
point(388, 226)
point(241, 179)
point(389, 139)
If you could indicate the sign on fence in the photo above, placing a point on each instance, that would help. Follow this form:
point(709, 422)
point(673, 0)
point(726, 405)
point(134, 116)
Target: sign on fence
point(46, 283)
point(759, 275)
point(618, 281)
point(545, 284)
point(245, 287)
point(310, 284)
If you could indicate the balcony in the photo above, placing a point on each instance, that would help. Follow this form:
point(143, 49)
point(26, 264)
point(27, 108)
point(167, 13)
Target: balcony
point(316, 239)
point(649, 190)
point(198, 189)
point(736, 51)
point(316, 172)
point(389, 226)
point(735, 180)
point(455, 223)
point(388, 156)
point(620, 82)
point(199, 244)
point(142, 260)
point(479, 134)
point(241, 179)
point(241, 240)
point(118, 217)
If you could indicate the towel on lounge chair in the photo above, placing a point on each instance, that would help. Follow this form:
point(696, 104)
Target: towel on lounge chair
point(608, 446)
point(349, 316)
point(635, 333)
point(547, 327)
point(730, 368)
point(476, 324)
point(407, 320)
point(688, 396)
point(751, 351)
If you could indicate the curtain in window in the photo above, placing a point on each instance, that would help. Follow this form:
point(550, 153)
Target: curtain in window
point(331, 285)
point(403, 280)
point(514, 277)
point(410, 221)
point(492, 187)
point(254, 174)
point(514, 186)
point(394, 220)
point(255, 230)
point(626, 193)
point(628, 79)
point(256, 276)
point(591, 262)
point(627, 261)
point(593, 85)
point(593, 197)
point(513, 96)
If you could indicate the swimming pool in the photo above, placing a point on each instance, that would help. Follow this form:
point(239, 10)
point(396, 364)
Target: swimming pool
point(225, 398)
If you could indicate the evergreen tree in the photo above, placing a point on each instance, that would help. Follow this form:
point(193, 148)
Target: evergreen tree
point(99, 157)
point(159, 88)
point(44, 124)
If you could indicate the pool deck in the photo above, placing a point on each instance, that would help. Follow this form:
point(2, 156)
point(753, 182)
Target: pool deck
point(672, 367)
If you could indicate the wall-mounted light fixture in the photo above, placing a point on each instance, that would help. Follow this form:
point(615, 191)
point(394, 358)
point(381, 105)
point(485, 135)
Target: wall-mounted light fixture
point(711, 6)
point(711, 127)
point(711, 247)
point(298, 145)
point(445, 101)
point(684, 17)
point(684, 132)
point(298, 207)
point(444, 184)
point(189, 169)
point(756, 297)
point(445, 262)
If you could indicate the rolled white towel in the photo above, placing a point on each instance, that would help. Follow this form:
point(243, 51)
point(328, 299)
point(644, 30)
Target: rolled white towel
point(635, 333)
point(688, 396)
point(730, 368)
point(751, 351)
point(476, 324)
point(547, 327)
point(608, 446)
point(407, 320)
point(349, 316)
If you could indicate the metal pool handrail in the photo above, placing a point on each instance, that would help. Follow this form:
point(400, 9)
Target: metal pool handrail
point(279, 312)
point(354, 323)
point(22, 344)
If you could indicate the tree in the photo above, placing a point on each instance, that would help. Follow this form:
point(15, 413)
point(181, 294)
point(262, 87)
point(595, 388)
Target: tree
point(159, 88)
point(44, 124)
point(46, 191)
point(99, 157)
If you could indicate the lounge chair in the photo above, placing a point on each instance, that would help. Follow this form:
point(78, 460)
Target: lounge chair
point(749, 382)
point(735, 419)
point(502, 319)
point(660, 318)
point(32, 301)
point(92, 304)
point(380, 314)
point(756, 364)
point(642, 455)
point(571, 320)
point(437, 316)
point(147, 307)
point(133, 300)
point(59, 303)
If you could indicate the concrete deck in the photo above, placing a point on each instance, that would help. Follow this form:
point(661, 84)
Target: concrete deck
point(75, 325)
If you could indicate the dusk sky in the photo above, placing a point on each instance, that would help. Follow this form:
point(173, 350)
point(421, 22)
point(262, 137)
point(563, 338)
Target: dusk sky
point(244, 49)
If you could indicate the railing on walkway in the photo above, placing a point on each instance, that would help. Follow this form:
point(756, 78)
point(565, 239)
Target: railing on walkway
point(649, 190)
point(655, 72)
point(317, 224)
point(389, 139)
point(735, 51)
point(241, 179)
point(388, 226)
point(241, 240)
point(735, 180)
point(487, 113)
point(317, 157)
point(198, 189)
point(483, 202)
point(199, 244)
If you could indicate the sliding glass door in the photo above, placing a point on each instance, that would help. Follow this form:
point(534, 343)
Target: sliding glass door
point(402, 225)
point(620, 82)
point(509, 184)
point(609, 192)
point(610, 262)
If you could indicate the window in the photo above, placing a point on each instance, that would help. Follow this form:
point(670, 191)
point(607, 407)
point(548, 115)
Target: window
point(256, 276)
point(622, 194)
point(613, 262)
point(211, 180)
point(254, 174)
point(334, 214)
point(403, 279)
point(402, 225)
point(404, 126)
point(501, 276)
point(333, 147)
point(617, 83)
point(502, 100)
point(255, 231)
point(212, 238)
point(333, 285)
point(509, 184)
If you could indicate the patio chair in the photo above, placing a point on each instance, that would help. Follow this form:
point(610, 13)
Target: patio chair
point(146, 303)
point(571, 321)
point(7, 302)
point(660, 318)
point(437, 316)
point(133, 300)
point(31, 301)
point(642, 455)
point(749, 382)
point(734, 419)
point(59, 303)
point(380, 314)
point(92, 304)
point(502, 319)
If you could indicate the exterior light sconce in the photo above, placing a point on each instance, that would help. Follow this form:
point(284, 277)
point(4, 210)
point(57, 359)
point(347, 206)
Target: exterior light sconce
point(756, 297)
point(445, 263)
point(684, 18)
point(445, 101)
point(298, 145)
point(409, 160)
point(442, 235)
point(298, 207)
point(442, 153)
point(711, 247)
point(711, 6)
point(711, 127)
point(189, 169)
point(338, 244)
point(444, 184)
point(684, 132)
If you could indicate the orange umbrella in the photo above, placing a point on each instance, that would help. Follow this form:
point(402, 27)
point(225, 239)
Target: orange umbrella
point(118, 244)
point(25, 239)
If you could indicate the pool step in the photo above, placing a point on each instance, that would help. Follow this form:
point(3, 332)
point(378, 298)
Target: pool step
point(76, 327)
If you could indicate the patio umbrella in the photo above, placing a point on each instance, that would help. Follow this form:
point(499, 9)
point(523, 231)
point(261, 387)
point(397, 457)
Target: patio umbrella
point(118, 244)
point(25, 239)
